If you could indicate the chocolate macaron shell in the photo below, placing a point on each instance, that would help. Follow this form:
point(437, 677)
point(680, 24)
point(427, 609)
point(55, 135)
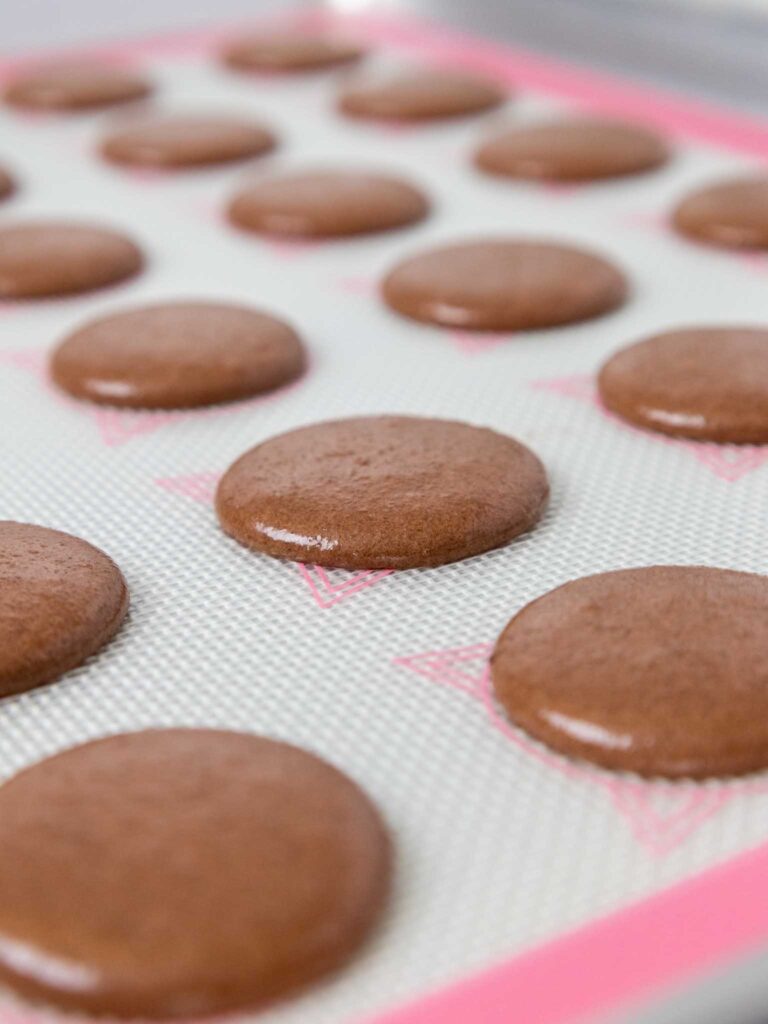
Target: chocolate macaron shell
point(73, 87)
point(327, 204)
point(572, 150)
point(504, 285)
point(40, 259)
point(382, 492)
point(177, 356)
point(7, 184)
point(658, 671)
point(182, 873)
point(428, 94)
point(186, 141)
point(291, 52)
point(61, 600)
point(702, 383)
point(731, 213)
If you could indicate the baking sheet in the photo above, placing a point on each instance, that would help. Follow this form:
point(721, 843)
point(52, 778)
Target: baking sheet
point(500, 845)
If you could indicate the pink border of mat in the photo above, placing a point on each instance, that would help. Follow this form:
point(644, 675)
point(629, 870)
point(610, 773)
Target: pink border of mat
point(650, 946)
point(673, 113)
point(717, 915)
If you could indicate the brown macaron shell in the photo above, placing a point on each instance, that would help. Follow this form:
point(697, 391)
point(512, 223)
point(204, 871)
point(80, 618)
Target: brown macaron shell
point(429, 94)
point(72, 87)
point(291, 52)
point(572, 150)
point(327, 204)
point(178, 356)
point(504, 285)
point(61, 600)
point(731, 213)
point(703, 383)
point(180, 873)
point(187, 141)
point(382, 492)
point(40, 259)
point(659, 671)
point(7, 184)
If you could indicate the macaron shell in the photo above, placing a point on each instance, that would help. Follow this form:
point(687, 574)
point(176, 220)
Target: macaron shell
point(183, 873)
point(574, 150)
point(39, 259)
point(327, 204)
point(61, 600)
point(81, 86)
point(659, 671)
point(703, 383)
point(177, 356)
point(504, 285)
point(731, 213)
point(288, 52)
point(382, 492)
point(186, 141)
point(7, 184)
point(419, 95)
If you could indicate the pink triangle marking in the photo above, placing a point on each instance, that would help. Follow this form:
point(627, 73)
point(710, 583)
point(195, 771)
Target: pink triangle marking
point(328, 587)
point(561, 189)
point(473, 343)
point(116, 426)
point(327, 593)
point(198, 486)
point(664, 817)
point(757, 261)
point(661, 815)
point(650, 827)
point(576, 386)
point(728, 462)
point(291, 248)
point(461, 668)
point(33, 362)
point(647, 220)
point(206, 211)
point(146, 175)
point(394, 127)
point(357, 285)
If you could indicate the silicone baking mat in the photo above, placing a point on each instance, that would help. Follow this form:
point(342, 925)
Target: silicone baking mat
point(507, 855)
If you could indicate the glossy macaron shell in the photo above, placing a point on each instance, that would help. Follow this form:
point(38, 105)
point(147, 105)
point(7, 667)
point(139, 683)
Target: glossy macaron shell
point(423, 94)
point(572, 150)
point(382, 492)
point(731, 213)
point(657, 670)
point(82, 86)
point(41, 259)
point(180, 873)
point(61, 600)
point(327, 204)
point(499, 284)
point(180, 141)
point(178, 355)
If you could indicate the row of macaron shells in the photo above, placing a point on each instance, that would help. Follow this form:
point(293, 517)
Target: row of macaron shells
point(266, 781)
point(429, 287)
point(137, 358)
point(354, 848)
point(570, 150)
point(509, 481)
